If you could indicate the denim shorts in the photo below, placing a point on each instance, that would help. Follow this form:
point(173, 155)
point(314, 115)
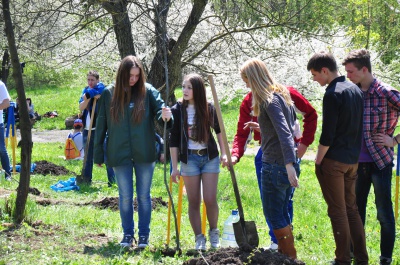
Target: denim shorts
point(197, 165)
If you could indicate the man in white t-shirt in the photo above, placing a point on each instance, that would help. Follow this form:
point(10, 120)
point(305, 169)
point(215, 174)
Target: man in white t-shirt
point(4, 103)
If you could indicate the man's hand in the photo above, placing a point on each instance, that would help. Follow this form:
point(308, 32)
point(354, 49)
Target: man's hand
point(382, 139)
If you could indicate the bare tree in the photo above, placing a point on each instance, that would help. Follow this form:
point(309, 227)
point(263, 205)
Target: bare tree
point(25, 127)
point(122, 25)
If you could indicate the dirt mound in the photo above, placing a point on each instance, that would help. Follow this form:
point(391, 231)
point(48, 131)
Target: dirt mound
point(112, 203)
point(44, 167)
point(240, 256)
point(105, 203)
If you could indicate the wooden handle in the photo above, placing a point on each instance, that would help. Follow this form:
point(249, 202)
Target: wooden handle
point(226, 145)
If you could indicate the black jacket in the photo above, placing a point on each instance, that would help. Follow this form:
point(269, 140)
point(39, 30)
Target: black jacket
point(178, 135)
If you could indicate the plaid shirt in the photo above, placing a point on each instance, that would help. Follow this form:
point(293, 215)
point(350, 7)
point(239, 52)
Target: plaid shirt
point(381, 112)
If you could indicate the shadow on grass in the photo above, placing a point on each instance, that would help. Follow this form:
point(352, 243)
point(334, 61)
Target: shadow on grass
point(85, 188)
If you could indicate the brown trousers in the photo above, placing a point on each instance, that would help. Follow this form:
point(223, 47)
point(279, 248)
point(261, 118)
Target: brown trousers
point(337, 181)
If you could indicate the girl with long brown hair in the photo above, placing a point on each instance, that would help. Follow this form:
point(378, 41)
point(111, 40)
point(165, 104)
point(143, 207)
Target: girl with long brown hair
point(126, 115)
point(192, 143)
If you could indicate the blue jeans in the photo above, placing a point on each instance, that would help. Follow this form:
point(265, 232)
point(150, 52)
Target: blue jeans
point(197, 165)
point(89, 153)
point(144, 176)
point(275, 194)
point(258, 165)
point(5, 160)
point(110, 171)
point(369, 174)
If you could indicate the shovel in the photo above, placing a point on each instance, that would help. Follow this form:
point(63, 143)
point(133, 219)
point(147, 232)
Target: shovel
point(82, 178)
point(245, 231)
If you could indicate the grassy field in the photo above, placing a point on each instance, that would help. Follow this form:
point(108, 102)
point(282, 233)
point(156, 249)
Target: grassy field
point(70, 229)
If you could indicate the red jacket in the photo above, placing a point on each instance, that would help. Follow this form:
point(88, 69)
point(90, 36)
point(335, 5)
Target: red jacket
point(246, 114)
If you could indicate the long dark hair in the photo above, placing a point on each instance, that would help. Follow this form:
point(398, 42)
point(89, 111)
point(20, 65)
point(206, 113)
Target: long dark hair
point(123, 93)
point(203, 115)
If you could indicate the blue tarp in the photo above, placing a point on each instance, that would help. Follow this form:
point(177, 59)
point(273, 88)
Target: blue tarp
point(61, 185)
point(18, 167)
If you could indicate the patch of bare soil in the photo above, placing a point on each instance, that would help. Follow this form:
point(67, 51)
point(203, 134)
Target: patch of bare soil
point(112, 203)
point(46, 233)
point(240, 256)
point(105, 203)
point(44, 167)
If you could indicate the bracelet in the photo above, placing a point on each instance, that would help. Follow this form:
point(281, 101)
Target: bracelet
point(396, 140)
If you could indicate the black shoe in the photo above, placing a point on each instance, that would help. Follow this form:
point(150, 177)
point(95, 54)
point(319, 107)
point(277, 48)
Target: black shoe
point(143, 241)
point(385, 261)
point(127, 241)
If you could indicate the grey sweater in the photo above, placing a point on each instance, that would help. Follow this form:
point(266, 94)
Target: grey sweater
point(276, 121)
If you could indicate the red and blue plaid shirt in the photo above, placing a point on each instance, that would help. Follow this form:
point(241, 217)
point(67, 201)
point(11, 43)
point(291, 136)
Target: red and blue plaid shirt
point(381, 112)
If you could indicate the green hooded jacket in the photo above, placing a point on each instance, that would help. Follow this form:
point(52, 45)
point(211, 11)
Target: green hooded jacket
point(128, 141)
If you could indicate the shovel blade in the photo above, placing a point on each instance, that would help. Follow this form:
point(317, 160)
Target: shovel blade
point(247, 234)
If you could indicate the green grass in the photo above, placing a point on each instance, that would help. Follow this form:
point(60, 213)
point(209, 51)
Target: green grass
point(64, 100)
point(73, 234)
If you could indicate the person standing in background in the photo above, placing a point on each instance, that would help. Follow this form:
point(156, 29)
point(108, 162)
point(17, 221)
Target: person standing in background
point(381, 114)
point(89, 94)
point(4, 103)
point(336, 161)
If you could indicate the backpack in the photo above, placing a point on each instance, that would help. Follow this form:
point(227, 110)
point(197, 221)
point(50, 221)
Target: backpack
point(70, 150)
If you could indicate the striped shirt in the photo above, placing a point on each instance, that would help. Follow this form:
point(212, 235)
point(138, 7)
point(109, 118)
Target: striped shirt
point(381, 112)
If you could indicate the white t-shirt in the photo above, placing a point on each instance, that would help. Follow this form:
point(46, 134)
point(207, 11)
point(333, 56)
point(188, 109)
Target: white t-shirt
point(87, 123)
point(3, 95)
point(78, 140)
point(192, 143)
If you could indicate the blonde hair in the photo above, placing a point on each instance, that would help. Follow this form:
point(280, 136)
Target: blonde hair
point(262, 84)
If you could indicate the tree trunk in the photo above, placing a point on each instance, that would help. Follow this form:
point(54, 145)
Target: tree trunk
point(25, 126)
point(122, 26)
point(175, 50)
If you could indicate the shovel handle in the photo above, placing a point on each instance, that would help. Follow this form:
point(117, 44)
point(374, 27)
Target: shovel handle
point(228, 153)
point(169, 216)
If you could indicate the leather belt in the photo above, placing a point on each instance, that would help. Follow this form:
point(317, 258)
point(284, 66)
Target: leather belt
point(199, 152)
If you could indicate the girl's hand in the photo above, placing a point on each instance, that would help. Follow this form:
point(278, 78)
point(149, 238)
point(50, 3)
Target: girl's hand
point(225, 162)
point(175, 175)
point(166, 114)
point(292, 176)
point(252, 126)
point(162, 159)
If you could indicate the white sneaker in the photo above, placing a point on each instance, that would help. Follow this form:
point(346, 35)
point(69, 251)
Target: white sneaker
point(273, 247)
point(200, 242)
point(213, 236)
